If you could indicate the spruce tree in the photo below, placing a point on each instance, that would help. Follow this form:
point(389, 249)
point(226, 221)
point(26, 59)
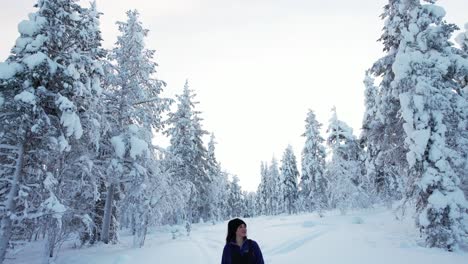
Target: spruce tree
point(139, 107)
point(79, 181)
point(381, 182)
point(459, 140)
point(383, 132)
point(424, 70)
point(462, 39)
point(290, 175)
point(217, 191)
point(275, 188)
point(53, 75)
point(313, 183)
point(262, 191)
point(343, 171)
point(189, 155)
point(236, 198)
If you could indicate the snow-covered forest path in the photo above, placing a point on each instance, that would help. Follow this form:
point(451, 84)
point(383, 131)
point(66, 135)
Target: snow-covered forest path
point(372, 236)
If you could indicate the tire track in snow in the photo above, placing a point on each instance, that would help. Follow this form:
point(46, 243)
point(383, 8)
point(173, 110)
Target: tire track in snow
point(295, 243)
point(206, 253)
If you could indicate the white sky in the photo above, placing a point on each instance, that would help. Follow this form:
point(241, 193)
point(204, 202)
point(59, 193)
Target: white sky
point(257, 66)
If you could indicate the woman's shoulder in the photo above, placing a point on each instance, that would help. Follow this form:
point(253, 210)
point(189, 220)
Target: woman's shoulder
point(253, 242)
point(230, 245)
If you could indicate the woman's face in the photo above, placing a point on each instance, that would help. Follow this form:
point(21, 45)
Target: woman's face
point(241, 231)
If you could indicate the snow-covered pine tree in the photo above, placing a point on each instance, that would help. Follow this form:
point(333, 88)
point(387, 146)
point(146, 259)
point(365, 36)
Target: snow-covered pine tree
point(424, 69)
point(217, 190)
point(462, 39)
point(343, 171)
point(108, 109)
point(189, 155)
point(79, 180)
point(275, 188)
point(270, 186)
point(459, 140)
point(250, 204)
point(379, 183)
point(313, 184)
point(262, 192)
point(138, 108)
point(236, 198)
point(290, 175)
point(383, 136)
point(175, 192)
point(223, 199)
point(53, 72)
point(202, 180)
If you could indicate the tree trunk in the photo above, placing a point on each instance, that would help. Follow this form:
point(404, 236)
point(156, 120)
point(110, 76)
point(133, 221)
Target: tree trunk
point(106, 223)
point(6, 228)
point(53, 230)
point(142, 230)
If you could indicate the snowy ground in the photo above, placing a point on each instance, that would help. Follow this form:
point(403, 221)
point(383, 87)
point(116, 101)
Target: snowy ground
point(364, 237)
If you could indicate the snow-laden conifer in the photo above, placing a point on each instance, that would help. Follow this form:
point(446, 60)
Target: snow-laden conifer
point(458, 135)
point(53, 75)
point(236, 198)
point(217, 192)
point(290, 175)
point(380, 181)
point(262, 190)
point(313, 183)
point(136, 110)
point(343, 171)
point(189, 155)
point(275, 188)
point(250, 204)
point(424, 70)
point(383, 135)
point(462, 38)
point(80, 179)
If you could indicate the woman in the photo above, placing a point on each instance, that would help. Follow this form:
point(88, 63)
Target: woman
point(239, 249)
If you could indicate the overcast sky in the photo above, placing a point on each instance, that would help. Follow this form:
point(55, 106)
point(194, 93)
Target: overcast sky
point(257, 66)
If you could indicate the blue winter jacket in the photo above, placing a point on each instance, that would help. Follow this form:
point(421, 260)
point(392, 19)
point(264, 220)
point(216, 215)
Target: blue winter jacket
point(232, 248)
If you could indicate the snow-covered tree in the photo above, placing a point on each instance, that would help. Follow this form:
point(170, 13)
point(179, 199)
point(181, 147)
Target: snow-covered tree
point(383, 134)
point(189, 155)
point(175, 191)
point(224, 195)
point(462, 39)
point(47, 86)
point(138, 110)
point(313, 184)
point(217, 195)
point(236, 198)
point(424, 70)
point(381, 182)
point(79, 180)
point(343, 171)
point(290, 175)
point(269, 193)
point(250, 204)
point(275, 188)
point(458, 141)
point(262, 190)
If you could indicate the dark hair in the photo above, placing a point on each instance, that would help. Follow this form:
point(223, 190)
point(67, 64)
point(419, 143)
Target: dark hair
point(232, 228)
